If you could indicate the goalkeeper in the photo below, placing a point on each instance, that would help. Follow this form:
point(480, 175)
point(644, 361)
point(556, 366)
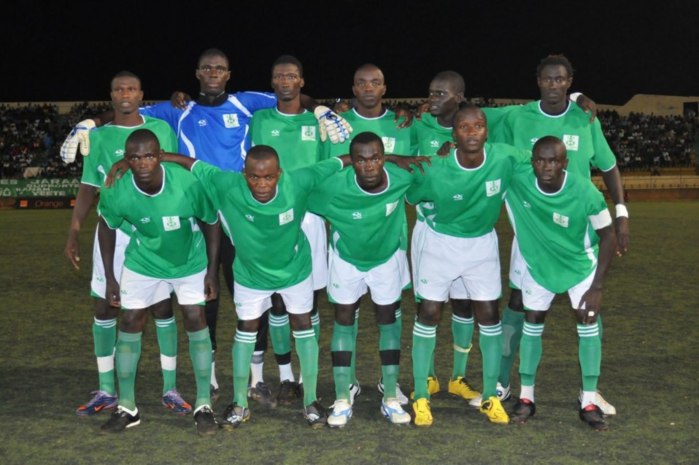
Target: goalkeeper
point(214, 128)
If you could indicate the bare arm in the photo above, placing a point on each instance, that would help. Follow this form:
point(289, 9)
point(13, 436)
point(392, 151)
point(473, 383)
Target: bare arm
point(83, 205)
point(212, 234)
point(612, 179)
point(107, 241)
point(592, 299)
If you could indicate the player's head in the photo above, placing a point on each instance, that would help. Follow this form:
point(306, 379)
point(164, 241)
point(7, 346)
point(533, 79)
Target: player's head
point(367, 153)
point(554, 76)
point(262, 172)
point(287, 77)
point(142, 152)
point(212, 72)
point(549, 159)
point(470, 129)
point(126, 93)
point(368, 86)
point(445, 94)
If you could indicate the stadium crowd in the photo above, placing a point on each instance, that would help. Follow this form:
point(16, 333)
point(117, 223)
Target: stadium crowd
point(32, 135)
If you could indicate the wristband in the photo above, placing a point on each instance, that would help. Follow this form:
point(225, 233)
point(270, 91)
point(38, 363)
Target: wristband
point(574, 96)
point(621, 210)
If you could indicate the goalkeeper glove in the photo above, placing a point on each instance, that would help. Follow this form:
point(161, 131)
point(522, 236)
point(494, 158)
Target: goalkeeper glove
point(79, 136)
point(332, 125)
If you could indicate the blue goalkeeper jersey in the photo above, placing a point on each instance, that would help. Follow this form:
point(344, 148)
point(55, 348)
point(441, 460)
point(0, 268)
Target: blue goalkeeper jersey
point(218, 135)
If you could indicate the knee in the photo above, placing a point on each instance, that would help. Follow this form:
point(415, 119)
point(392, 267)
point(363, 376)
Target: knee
point(249, 326)
point(162, 309)
point(132, 321)
point(344, 315)
point(515, 302)
point(300, 322)
point(429, 313)
point(194, 319)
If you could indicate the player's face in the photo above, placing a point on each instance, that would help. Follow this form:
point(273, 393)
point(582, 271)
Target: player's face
point(549, 161)
point(470, 130)
point(554, 83)
point(126, 95)
point(213, 74)
point(369, 87)
point(287, 81)
point(144, 161)
point(368, 161)
point(442, 98)
point(262, 177)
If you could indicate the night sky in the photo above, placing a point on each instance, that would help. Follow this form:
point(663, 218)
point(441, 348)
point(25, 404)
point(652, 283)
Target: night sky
point(70, 50)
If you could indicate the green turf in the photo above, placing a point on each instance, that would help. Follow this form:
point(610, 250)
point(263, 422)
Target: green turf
point(650, 371)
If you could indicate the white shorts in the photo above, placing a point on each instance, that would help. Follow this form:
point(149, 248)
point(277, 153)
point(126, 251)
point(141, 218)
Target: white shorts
point(442, 259)
point(313, 227)
point(98, 285)
point(140, 291)
point(536, 297)
point(250, 303)
point(518, 266)
point(457, 289)
point(385, 282)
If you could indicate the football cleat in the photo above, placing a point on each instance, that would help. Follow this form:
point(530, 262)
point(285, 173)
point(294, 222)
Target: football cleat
point(433, 387)
point(174, 401)
point(289, 392)
point(593, 416)
point(393, 412)
point(460, 387)
point(340, 414)
point(101, 400)
point(423, 412)
point(205, 421)
point(524, 409)
point(492, 408)
point(355, 389)
point(402, 398)
point(120, 420)
point(262, 394)
point(504, 393)
point(315, 415)
point(233, 416)
point(601, 402)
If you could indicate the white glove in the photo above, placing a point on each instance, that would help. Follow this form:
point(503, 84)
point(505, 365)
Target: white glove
point(332, 125)
point(79, 136)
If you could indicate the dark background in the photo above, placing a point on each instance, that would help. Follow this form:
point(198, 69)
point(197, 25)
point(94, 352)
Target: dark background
point(70, 50)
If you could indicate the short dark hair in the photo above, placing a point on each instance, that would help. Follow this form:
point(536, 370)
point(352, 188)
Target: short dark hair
point(547, 141)
point(452, 76)
point(212, 52)
point(366, 137)
point(555, 60)
point(262, 152)
point(142, 136)
point(463, 108)
point(122, 74)
point(288, 60)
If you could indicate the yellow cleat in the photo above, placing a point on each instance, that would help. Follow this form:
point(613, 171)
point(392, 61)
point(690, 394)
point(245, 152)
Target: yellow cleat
point(460, 387)
point(492, 408)
point(423, 413)
point(432, 387)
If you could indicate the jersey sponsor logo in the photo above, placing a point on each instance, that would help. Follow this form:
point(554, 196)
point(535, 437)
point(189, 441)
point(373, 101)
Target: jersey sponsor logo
point(357, 215)
point(230, 120)
point(274, 133)
point(492, 188)
point(145, 220)
point(389, 144)
point(250, 218)
point(571, 141)
point(457, 197)
point(202, 123)
point(308, 133)
point(171, 223)
point(560, 220)
point(286, 217)
point(390, 207)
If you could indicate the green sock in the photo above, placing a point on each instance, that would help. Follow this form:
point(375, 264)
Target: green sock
point(104, 337)
point(315, 322)
point(307, 351)
point(424, 341)
point(128, 352)
point(243, 346)
point(166, 330)
point(590, 355)
point(341, 349)
point(530, 350)
point(389, 352)
point(353, 365)
point(490, 341)
point(462, 333)
point(280, 333)
point(512, 322)
point(200, 353)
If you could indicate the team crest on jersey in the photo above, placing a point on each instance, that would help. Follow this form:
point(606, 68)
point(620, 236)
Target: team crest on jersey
point(230, 120)
point(492, 188)
point(274, 133)
point(308, 133)
point(286, 217)
point(571, 141)
point(171, 223)
point(390, 207)
point(357, 215)
point(389, 144)
point(561, 220)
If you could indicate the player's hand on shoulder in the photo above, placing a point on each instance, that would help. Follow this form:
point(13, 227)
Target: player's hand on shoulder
point(117, 170)
point(403, 111)
point(445, 149)
point(588, 106)
point(180, 99)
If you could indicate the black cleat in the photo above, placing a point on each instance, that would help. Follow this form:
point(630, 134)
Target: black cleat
point(120, 420)
point(233, 416)
point(315, 415)
point(593, 416)
point(205, 421)
point(289, 392)
point(524, 409)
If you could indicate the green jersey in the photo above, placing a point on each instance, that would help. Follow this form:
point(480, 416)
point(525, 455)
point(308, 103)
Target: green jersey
point(466, 202)
point(430, 134)
point(366, 229)
point(271, 250)
point(166, 241)
point(584, 141)
point(396, 141)
point(296, 138)
point(556, 232)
